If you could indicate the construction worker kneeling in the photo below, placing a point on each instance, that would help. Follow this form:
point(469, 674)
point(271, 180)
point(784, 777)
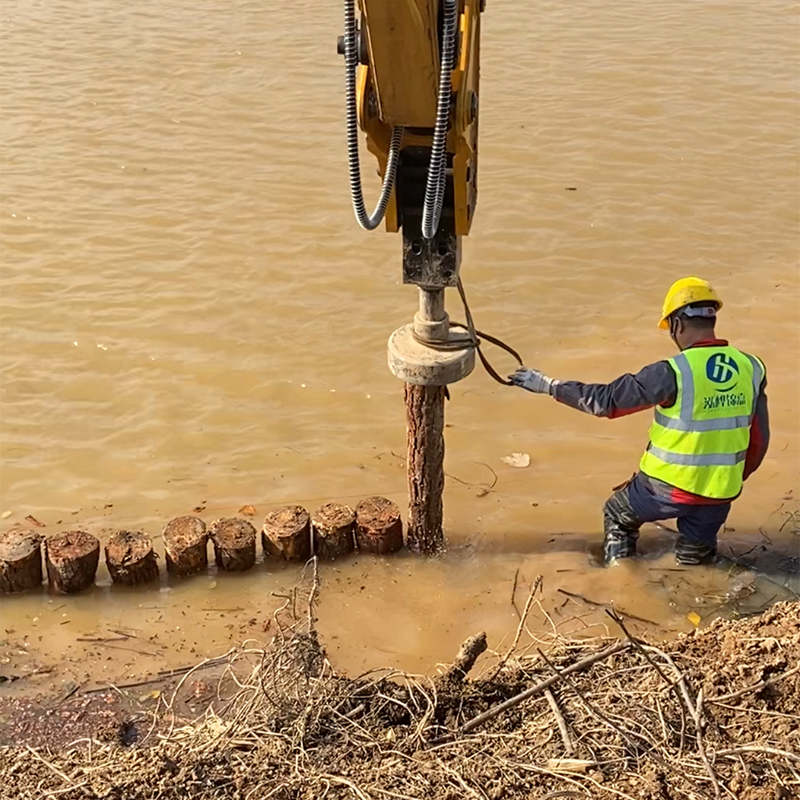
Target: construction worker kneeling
point(710, 432)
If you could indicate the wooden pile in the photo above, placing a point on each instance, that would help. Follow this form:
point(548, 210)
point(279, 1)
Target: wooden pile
point(289, 533)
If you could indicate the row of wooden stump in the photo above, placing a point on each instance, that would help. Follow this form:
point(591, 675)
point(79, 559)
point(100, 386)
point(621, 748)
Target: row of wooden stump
point(288, 533)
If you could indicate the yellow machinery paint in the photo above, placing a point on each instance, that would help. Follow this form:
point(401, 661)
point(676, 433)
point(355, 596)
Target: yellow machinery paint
point(398, 88)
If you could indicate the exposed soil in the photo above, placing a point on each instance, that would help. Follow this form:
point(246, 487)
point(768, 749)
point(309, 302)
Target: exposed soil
point(55, 723)
point(717, 707)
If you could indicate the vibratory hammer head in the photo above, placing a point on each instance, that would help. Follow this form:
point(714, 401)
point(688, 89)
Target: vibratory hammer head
point(433, 363)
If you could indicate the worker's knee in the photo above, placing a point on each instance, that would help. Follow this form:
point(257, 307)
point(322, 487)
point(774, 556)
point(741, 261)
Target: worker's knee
point(691, 552)
point(618, 511)
point(621, 528)
point(698, 530)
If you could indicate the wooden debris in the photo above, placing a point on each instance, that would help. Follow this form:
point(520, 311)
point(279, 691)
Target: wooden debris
point(491, 713)
point(130, 558)
point(379, 527)
point(234, 543)
point(72, 558)
point(20, 560)
point(287, 533)
point(467, 655)
point(185, 546)
point(333, 525)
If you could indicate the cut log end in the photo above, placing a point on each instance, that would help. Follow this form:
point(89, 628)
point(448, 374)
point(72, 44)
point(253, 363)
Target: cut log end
point(333, 526)
point(379, 526)
point(20, 561)
point(234, 543)
point(287, 534)
point(185, 546)
point(72, 559)
point(130, 558)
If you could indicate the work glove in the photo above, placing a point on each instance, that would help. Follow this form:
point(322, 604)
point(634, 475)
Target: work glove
point(532, 380)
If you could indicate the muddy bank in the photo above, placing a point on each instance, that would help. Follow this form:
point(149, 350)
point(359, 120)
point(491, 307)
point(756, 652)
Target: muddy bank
point(714, 713)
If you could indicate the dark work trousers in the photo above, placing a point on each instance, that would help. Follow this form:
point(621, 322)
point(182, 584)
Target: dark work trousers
point(636, 503)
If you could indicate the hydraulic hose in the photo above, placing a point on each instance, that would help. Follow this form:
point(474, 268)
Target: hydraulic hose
point(367, 221)
point(437, 171)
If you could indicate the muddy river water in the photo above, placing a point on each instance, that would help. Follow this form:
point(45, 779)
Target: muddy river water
point(191, 317)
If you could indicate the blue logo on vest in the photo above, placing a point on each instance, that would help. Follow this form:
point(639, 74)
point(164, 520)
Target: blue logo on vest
point(722, 369)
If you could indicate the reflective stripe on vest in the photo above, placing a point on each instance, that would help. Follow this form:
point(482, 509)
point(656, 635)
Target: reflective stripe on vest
point(699, 444)
point(686, 460)
point(724, 424)
point(686, 423)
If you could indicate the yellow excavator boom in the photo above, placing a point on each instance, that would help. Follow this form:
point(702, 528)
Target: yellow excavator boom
point(412, 73)
point(399, 46)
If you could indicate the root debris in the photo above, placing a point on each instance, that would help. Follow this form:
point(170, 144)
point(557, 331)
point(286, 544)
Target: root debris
point(713, 714)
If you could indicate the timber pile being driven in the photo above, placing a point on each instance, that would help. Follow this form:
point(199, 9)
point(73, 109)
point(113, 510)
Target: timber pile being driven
point(713, 714)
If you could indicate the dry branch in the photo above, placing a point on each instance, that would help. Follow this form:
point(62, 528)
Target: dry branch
point(560, 721)
point(474, 723)
point(465, 660)
point(284, 725)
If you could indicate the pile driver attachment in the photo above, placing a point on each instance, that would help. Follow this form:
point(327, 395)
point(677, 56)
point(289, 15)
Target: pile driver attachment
point(412, 83)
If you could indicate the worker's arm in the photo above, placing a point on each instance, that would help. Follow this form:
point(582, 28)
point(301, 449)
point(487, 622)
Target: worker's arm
point(653, 385)
point(759, 434)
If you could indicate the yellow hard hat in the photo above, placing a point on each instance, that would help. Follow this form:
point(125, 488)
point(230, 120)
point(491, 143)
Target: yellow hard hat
point(685, 292)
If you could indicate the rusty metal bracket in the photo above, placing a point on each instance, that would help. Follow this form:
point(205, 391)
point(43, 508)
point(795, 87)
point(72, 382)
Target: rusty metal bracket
point(431, 263)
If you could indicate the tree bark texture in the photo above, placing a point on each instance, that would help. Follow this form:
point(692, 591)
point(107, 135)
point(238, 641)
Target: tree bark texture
point(470, 650)
point(287, 534)
point(185, 546)
point(379, 527)
point(72, 559)
point(234, 543)
point(20, 560)
point(333, 525)
point(130, 558)
point(425, 466)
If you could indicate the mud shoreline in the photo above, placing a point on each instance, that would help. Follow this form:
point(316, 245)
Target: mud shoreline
point(716, 708)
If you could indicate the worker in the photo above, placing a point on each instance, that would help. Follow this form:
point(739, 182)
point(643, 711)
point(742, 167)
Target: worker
point(710, 433)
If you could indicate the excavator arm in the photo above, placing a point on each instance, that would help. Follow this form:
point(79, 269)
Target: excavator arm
point(398, 46)
point(412, 88)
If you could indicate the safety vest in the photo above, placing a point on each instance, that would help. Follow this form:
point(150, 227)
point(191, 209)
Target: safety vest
point(699, 443)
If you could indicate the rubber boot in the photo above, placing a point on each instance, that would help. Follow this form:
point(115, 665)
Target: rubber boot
point(621, 528)
point(689, 553)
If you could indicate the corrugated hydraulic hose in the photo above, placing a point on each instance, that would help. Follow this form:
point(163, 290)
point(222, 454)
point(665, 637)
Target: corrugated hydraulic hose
point(437, 171)
point(367, 221)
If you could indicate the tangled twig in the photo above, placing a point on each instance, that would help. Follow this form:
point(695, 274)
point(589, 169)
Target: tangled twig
point(284, 725)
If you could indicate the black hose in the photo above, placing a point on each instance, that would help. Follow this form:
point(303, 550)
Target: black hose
point(437, 171)
point(367, 221)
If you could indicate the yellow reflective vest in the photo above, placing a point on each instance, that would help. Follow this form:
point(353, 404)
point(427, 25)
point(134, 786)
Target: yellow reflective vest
point(699, 443)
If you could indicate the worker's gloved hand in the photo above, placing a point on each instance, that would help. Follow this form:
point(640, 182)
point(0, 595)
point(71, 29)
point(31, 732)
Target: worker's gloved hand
point(532, 380)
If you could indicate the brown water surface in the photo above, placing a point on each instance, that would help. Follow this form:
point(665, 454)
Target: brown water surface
point(191, 317)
